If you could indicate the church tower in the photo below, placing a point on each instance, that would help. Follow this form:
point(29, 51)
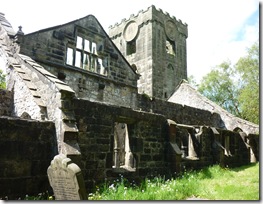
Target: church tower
point(154, 43)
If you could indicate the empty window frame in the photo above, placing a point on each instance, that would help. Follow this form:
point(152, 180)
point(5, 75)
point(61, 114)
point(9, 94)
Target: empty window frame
point(122, 156)
point(85, 56)
point(131, 47)
point(170, 47)
point(70, 56)
point(169, 81)
point(227, 145)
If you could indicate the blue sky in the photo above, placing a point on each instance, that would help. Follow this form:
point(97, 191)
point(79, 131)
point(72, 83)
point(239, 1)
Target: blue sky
point(254, 17)
point(251, 21)
point(218, 30)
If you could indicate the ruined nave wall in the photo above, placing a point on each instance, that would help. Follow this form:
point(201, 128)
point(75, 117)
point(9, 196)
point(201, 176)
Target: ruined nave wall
point(26, 148)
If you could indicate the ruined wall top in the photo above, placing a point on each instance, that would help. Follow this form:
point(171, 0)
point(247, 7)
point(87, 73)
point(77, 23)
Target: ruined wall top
point(6, 25)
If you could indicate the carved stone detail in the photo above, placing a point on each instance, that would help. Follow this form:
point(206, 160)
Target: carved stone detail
point(170, 30)
point(130, 31)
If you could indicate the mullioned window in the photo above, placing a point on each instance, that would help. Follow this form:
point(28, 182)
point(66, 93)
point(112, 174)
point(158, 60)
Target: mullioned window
point(84, 55)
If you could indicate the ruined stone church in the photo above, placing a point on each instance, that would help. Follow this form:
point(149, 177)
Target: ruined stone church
point(115, 103)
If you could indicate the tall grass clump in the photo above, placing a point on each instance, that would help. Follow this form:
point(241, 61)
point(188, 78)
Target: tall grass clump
point(213, 183)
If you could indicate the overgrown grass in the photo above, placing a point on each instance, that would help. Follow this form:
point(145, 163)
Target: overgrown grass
point(213, 183)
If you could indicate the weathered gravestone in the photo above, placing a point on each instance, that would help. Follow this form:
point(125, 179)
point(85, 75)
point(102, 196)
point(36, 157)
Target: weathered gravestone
point(66, 179)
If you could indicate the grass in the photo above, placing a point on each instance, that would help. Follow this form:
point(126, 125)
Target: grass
point(213, 183)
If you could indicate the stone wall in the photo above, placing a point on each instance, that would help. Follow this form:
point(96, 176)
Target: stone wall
point(40, 95)
point(6, 102)
point(91, 87)
point(195, 147)
point(96, 140)
point(179, 113)
point(26, 149)
point(237, 152)
point(156, 150)
point(24, 103)
point(158, 147)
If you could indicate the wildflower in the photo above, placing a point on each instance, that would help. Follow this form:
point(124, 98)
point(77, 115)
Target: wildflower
point(112, 187)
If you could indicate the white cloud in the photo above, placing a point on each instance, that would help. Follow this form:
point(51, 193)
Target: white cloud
point(217, 39)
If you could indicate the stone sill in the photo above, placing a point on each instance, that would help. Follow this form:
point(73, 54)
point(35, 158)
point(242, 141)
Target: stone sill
point(190, 158)
point(123, 169)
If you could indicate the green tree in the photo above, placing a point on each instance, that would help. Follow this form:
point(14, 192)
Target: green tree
point(2, 80)
point(248, 69)
point(235, 88)
point(219, 87)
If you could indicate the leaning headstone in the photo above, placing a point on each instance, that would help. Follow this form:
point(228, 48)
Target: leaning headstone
point(66, 179)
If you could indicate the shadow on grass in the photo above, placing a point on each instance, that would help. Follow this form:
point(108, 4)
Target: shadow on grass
point(242, 168)
point(206, 173)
